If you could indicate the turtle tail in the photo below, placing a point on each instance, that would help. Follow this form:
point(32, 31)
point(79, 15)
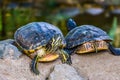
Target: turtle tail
point(115, 51)
point(71, 24)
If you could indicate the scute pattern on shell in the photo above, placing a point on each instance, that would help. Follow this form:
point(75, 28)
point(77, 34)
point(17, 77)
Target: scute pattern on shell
point(36, 34)
point(85, 33)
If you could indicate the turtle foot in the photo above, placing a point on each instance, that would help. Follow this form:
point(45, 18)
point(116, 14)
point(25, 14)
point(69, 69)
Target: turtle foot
point(65, 58)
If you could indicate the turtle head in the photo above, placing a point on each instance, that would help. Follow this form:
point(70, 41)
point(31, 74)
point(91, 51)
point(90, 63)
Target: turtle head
point(71, 24)
point(56, 45)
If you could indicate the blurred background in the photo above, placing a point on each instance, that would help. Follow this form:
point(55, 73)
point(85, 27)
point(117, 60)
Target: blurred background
point(104, 14)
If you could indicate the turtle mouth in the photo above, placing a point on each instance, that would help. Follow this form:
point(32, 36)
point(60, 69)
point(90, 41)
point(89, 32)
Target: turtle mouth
point(92, 47)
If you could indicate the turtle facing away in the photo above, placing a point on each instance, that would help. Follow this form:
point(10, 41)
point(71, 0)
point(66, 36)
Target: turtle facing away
point(42, 42)
point(87, 38)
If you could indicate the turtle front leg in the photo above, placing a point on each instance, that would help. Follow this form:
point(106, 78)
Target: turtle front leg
point(34, 64)
point(65, 57)
point(115, 51)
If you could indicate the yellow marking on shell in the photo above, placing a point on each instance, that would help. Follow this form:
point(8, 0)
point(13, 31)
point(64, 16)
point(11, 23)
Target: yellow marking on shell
point(102, 45)
point(95, 47)
point(28, 52)
point(31, 51)
point(25, 51)
point(99, 45)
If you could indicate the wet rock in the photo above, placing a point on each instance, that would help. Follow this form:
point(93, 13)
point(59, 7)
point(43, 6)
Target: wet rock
point(7, 50)
point(64, 72)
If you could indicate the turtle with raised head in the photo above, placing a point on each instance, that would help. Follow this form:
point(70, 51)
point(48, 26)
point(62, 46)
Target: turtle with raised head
point(43, 42)
point(87, 38)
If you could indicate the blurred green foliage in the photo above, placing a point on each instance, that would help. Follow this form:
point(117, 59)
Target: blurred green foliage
point(114, 28)
point(52, 12)
point(0, 21)
point(14, 19)
point(18, 17)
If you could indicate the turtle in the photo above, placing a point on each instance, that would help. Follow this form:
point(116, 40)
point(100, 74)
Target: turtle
point(87, 38)
point(42, 42)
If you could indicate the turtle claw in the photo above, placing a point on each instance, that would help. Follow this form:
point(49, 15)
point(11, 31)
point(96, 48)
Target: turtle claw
point(65, 58)
point(34, 65)
point(68, 61)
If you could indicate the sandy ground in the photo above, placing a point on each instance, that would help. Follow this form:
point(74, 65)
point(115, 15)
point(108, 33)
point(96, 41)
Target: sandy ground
point(101, 66)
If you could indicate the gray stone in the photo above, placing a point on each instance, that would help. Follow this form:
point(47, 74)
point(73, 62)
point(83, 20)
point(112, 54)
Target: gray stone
point(64, 72)
point(11, 41)
point(7, 50)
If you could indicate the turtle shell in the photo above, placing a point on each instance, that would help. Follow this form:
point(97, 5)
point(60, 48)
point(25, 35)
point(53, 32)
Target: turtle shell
point(85, 33)
point(36, 34)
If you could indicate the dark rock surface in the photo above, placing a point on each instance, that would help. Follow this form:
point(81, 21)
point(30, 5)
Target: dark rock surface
point(7, 49)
